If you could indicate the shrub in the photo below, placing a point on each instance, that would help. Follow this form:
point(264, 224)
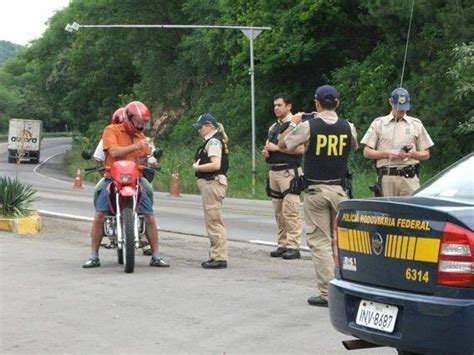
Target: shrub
point(16, 198)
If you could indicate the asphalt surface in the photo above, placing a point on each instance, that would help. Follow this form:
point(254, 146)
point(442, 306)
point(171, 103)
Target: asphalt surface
point(49, 304)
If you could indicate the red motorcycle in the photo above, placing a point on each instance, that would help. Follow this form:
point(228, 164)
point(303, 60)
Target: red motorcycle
point(124, 225)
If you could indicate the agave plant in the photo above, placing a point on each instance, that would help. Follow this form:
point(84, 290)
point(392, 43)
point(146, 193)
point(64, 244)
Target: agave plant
point(16, 198)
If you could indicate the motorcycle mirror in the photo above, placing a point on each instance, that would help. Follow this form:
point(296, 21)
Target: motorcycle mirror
point(86, 154)
point(157, 153)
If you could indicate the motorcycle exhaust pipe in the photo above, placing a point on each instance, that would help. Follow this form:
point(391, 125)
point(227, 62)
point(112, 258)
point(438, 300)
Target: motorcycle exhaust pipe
point(359, 344)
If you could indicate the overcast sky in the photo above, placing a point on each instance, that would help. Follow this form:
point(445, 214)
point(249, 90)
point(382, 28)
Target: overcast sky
point(24, 20)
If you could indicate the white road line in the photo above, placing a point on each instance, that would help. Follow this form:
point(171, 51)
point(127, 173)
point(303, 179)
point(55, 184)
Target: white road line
point(65, 216)
point(90, 219)
point(262, 242)
point(37, 167)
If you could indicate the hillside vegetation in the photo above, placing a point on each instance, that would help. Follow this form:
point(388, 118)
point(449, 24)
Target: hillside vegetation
point(8, 50)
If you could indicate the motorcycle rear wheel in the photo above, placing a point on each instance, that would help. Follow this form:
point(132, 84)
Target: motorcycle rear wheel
point(128, 240)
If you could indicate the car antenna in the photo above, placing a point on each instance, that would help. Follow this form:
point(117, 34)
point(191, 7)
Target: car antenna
point(408, 40)
point(403, 70)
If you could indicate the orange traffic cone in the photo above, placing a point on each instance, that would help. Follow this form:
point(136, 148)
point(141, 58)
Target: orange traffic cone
point(174, 186)
point(78, 180)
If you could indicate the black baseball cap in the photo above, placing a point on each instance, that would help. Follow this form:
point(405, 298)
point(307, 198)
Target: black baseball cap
point(203, 119)
point(326, 92)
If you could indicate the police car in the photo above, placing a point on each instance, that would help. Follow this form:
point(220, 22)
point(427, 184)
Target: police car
point(405, 267)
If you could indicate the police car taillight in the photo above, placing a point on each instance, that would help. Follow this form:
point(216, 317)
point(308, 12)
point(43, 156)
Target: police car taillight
point(456, 257)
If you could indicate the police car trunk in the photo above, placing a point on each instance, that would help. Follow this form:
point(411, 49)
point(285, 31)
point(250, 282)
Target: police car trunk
point(405, 273)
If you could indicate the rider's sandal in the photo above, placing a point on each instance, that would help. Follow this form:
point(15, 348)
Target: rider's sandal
point(91, 263)
point(147, 250)
point(158, 263)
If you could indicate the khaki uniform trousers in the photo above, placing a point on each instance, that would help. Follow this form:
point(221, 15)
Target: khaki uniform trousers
point(213, 194)
point(320, 208)
point(393, 185)
point(287, 210)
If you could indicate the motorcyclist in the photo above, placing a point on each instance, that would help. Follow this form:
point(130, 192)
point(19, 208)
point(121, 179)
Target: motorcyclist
point(125, 141)
point(99, 156)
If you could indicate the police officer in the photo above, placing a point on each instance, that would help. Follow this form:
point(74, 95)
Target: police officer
point(397, 142)
point(284, 166)
point(329, 139)
point(211, 163)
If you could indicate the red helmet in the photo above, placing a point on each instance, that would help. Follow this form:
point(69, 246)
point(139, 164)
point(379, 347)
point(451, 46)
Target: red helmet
point(137, 117)
point(118, 116)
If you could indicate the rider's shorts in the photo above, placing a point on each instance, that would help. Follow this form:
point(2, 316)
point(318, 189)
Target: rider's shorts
point(102, 203)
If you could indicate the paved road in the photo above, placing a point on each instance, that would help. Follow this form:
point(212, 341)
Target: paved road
point(49, 304)
point(245, 220)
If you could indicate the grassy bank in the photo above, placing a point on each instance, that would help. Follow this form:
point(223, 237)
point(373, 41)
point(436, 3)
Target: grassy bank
point(240, 178)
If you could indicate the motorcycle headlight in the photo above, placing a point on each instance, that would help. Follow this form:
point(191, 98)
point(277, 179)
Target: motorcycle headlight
point(125, 178)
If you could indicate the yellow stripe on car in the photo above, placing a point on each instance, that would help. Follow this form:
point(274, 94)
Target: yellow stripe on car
point(427, 249)
point(411, 248)
point(354, 240)
point(396, 246)
point(343, 239)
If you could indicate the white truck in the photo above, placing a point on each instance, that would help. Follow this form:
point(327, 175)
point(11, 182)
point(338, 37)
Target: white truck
point(24, 140)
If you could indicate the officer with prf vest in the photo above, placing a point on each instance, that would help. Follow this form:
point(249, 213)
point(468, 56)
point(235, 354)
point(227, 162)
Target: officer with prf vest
point(211, 163)
point(284, 167)
point(329, 140)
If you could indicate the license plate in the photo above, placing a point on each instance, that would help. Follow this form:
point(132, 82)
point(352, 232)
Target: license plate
point(377, 315)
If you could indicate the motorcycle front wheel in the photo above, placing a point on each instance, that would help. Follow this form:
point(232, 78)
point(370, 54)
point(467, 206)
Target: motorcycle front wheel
point(120, 256)
point(128, 240)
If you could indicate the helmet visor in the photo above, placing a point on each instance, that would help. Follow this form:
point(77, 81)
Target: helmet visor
point(140, 124)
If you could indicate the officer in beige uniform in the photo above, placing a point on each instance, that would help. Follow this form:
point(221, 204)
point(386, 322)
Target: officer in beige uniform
point(211, 163)
point(284, 166)
point(397, 142)
point(329, 140)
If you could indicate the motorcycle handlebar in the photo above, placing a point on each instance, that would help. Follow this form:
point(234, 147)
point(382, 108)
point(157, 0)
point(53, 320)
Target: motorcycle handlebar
point(97, 169)
point(93, 170)
point(149, 168)
point(157, 153)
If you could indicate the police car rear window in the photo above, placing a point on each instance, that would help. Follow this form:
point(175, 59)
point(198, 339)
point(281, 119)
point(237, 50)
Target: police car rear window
point(454, 183)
